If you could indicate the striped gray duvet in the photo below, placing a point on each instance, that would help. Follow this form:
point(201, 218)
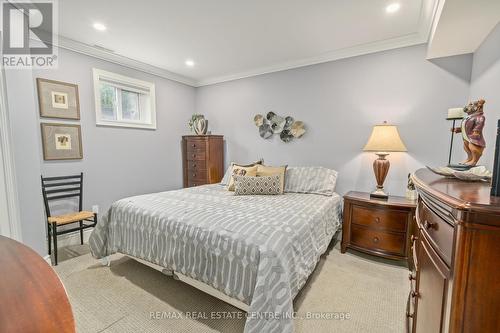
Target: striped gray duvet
point(257, 249)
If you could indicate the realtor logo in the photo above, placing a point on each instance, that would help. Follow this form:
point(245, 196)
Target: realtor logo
point(28, 34)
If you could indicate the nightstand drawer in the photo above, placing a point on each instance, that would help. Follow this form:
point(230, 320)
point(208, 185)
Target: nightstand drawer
point(370, 239)
point(384, 219)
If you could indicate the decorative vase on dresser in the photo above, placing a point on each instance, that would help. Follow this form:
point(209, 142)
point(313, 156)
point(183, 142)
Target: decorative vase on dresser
point(455, 283)
point(202, 159)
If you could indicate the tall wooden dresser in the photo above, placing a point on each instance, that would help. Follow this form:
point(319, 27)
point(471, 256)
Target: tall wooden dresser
point(455, 285)
point(202, 159)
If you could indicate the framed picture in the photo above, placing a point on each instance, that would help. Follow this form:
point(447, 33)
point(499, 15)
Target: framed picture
point(61, 141)
point(58, 99)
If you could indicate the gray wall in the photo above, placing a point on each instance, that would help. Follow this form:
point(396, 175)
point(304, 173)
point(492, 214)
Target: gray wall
point(339, 102)
point(117, 162)
point(485, 83)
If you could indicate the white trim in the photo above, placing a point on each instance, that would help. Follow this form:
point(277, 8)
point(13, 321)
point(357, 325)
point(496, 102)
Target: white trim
point(427, 17)
point(362, 49)
point(194, 283)
point(101, 53)
point(73, 238)
point(13, 215)
point(144, 87)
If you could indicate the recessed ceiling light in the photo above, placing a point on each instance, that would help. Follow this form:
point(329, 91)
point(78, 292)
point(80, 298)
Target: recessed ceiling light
point(392, 8)
point(99, 26)
point(189, 63)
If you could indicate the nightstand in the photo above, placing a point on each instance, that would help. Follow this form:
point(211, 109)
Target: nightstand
point(378, 227)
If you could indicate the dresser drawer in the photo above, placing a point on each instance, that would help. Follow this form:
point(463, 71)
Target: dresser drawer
point(196, 165)
point(193, 146)
point(371, 239)
point(436, 230)
point(193, 183)
point(380, 219)
point(196, 156)
point(197, 175)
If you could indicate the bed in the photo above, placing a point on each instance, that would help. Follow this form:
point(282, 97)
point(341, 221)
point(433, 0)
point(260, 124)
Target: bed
point(257, 250)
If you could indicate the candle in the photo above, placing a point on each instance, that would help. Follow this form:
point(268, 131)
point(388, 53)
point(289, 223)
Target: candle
point(455, 113)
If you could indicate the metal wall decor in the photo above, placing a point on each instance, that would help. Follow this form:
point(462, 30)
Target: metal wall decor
point(287, 128)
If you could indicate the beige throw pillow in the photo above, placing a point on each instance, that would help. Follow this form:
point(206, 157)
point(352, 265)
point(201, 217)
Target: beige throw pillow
point(240, 170)
point(263, 170)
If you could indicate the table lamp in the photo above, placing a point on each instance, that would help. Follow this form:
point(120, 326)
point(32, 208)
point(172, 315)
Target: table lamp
point(384, 139)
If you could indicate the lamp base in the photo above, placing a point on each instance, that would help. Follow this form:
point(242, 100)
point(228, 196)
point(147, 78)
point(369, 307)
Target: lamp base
point(380, 168)
point(379, 194)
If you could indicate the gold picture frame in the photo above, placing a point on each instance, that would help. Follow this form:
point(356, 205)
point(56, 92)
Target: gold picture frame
point(61, 141)
point(58, 99)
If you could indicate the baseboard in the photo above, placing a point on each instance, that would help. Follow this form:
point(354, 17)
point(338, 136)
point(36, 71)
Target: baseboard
point(72, 238)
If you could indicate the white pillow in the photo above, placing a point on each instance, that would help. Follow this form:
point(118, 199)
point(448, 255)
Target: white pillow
point(315, 180)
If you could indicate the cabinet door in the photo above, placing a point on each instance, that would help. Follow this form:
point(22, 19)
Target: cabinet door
point(432, 288)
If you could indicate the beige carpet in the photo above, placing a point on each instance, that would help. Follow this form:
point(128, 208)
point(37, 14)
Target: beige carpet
point(131, 297)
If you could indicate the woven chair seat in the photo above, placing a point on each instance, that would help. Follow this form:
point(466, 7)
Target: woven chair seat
point(70, 218)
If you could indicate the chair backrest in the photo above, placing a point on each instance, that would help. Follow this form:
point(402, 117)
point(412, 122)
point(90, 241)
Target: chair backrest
point(57, 188)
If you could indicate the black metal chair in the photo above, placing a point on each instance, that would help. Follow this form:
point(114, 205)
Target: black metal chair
point(59, 188)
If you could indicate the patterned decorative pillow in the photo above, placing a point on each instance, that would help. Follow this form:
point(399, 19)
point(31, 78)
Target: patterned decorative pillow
point(266, 185)
point(315, 180)
point(264, 170)
point(229, 172)
point(239, 170)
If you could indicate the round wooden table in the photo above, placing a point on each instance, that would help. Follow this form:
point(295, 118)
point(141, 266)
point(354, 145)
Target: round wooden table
point(33, 299)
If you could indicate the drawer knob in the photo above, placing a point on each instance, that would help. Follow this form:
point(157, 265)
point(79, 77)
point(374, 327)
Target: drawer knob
point(414, 294)
point(377, 220)
point(428, 225)
point(194, 165)
point(193, 145)
point(411, 277)
point(375, 239)
point(194, 175)
point(194, 155)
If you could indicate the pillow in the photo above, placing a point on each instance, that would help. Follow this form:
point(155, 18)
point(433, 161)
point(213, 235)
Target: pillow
point(229, 172)
point(315, 180)
point(264, 170)
point(266, 185)
point(244, 171)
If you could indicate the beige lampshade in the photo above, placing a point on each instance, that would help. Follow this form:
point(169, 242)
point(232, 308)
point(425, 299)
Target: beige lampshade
point(385, 138)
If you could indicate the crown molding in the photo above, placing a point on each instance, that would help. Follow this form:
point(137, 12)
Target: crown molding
point(362, 49)
point(101, 53)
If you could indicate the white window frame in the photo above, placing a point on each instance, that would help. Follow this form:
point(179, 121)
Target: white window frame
point(140, 86)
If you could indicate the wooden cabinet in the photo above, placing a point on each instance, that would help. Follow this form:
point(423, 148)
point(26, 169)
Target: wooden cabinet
point(456, 280)
point(378, 227)
point(203, 159)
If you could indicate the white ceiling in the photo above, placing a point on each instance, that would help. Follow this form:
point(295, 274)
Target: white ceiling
point(461, 26)
point(230, 39)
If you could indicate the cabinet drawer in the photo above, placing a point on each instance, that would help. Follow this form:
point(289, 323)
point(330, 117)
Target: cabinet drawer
point(381, 219)
point(193, 183)
point(195, 156)
point(371, 239)
point(197, 175)
point(196, 165)
point(438, 231)
point(196, 146)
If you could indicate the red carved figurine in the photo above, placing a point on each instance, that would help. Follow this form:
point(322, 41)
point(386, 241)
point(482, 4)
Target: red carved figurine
point(472, 132)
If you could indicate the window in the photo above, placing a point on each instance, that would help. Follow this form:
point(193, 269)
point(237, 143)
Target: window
point(123, 101)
